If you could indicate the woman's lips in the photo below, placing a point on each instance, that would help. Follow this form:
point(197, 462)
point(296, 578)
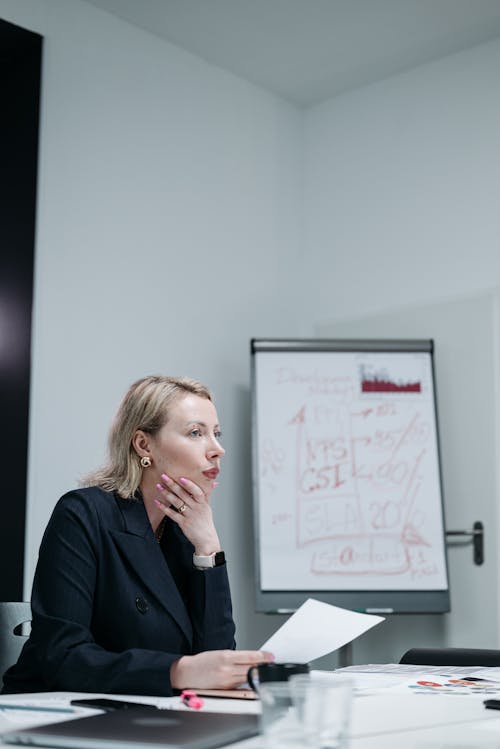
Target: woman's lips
point(212, 473)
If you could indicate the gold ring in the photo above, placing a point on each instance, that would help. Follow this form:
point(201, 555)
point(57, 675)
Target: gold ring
point(182, 507)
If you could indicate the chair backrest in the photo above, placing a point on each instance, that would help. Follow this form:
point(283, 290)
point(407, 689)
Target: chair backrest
point(452, 657)
point(13, 614)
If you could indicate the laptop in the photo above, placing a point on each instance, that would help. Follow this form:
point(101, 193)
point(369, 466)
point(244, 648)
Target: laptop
point(140, 728)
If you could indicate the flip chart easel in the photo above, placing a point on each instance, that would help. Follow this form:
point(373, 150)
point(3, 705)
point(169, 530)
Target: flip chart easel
point(346, 475)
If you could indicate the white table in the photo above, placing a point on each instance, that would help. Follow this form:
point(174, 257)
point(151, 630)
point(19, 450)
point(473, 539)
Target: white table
point(379, 721)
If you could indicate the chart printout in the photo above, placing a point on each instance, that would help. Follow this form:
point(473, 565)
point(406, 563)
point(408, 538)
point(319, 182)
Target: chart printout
point(349, 491)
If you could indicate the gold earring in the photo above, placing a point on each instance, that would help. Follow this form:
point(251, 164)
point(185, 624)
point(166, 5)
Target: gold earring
point(145, 461)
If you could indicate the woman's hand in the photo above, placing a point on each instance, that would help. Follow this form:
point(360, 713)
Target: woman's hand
point(216, 669)
point(186, 504)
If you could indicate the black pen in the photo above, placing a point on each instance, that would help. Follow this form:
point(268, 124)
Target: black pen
point(37, 709)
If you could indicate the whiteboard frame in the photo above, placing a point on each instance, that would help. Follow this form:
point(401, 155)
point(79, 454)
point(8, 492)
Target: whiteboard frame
point(372, 601)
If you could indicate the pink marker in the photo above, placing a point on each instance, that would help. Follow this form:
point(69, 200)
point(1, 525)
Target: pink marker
point(191, 699)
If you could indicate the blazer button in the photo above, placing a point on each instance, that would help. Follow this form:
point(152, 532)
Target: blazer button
point(141, 605)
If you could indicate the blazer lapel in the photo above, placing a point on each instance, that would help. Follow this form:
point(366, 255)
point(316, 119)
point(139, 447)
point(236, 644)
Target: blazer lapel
point(138, 545)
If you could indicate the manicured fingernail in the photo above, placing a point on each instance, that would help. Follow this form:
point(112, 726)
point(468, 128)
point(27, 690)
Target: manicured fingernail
point(184, 481)
point(214, 484)
point(160, 487)
point(157, 502)
point(165, 477)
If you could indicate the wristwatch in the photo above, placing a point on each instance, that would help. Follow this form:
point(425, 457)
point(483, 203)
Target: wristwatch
point(213, 560)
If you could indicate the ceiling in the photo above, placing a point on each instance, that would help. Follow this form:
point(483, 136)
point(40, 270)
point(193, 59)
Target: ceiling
point(310, 50)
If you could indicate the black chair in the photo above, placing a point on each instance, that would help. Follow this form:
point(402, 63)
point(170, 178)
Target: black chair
point(451, 657)
point(13, 614)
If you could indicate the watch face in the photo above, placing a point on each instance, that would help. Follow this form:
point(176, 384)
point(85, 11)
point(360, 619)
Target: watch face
point(219, 558)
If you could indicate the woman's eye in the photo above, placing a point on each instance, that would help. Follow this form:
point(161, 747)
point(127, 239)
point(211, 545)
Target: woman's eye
point(195, 432)
point(218, 435)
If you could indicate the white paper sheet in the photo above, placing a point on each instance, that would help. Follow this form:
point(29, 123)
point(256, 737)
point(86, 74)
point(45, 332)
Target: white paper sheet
point(316, 629)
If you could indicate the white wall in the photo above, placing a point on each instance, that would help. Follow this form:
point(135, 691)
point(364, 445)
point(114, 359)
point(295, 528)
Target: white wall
point(402, 188)
point(167, 234)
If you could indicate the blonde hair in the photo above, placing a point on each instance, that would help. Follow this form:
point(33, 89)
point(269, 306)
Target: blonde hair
point(145, 406)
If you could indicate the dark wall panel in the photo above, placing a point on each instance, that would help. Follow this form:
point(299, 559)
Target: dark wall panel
point(20, 56)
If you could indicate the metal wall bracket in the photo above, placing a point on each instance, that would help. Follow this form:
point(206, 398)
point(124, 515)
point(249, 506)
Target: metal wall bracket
point(477, 536)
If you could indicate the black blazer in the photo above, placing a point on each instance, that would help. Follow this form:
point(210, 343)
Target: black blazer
point(112, 610)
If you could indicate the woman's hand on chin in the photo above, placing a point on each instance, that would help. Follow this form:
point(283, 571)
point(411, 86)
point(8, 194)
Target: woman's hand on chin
point(186, 504)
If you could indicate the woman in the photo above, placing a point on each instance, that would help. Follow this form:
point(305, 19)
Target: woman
point(131, 593)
